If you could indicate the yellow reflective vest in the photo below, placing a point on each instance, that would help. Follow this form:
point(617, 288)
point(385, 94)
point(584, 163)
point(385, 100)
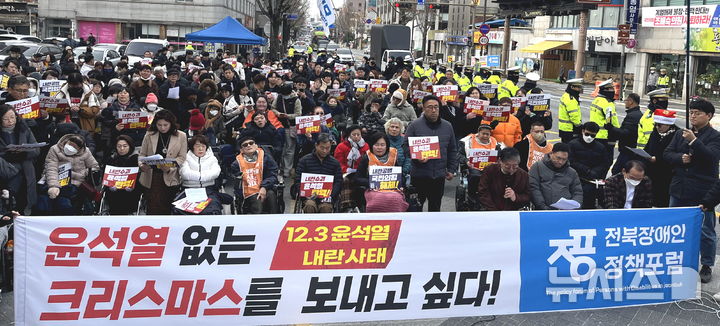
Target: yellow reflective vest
point(439, 75)
point(494, 79)
point(463, 83)
point(603, 111)
point(569, 115)
point(291, 52)
point(418, 71)
point(429, 73)
point(309, 50)
point(507, 89)
point(663, 80)
point(645, 128)
point(477, 81)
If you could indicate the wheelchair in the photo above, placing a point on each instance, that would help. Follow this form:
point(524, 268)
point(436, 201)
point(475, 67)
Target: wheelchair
point(217, 196)
point(465, 198)
point(299, 202)
point(237, 206)
point(7, 200)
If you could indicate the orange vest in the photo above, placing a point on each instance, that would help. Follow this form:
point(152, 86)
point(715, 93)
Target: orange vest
point(475, 144)
point(535, 152)
point(373, 160)
point(252, 173)
point(271, 117)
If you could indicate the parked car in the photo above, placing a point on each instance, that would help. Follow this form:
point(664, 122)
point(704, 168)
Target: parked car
point(6, 43)
point(346, 56)
point(136, 48)
point(54, 40)
point(29, 49)
point(119, 48)
point(20, 37)
point(99, 53)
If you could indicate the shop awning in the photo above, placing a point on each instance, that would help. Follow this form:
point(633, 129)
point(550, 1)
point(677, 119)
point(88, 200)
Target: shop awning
point(545, 46)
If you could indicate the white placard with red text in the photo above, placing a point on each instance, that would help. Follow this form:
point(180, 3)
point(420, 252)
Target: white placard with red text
point(422, 148)
point(481, 158)
point(378, 85)
point(317, 185)
point(497, 112)
point(133, 119)
point(447, 93)
point(475, 105)
point(309, 124)
point(120, 177)
point(28, 108)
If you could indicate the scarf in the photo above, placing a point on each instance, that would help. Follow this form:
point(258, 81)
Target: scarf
point(354, 154)
point(384, 158)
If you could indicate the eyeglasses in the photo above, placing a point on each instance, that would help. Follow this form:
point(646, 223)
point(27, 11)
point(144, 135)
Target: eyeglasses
point(250, 143)
point(694, 112)
point(432, 107)
point(22, 90)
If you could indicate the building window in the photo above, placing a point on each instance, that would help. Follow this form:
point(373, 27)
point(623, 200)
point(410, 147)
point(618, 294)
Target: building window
point(565, 21)
point(605, 17)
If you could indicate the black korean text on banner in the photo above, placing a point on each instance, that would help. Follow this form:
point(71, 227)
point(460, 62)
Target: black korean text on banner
point(480, 158)
point(336, 244)
point(538, 102)
point(497, 112)
point(308, 124)
point(316, 185)
point(418, 95)
point(423, 148)
point(48, 96)
point(385, 177)
point(120, 177)
point(360, 85)
point(488, 90)
point(133, 119)
point(475, 105)
point(518, 102)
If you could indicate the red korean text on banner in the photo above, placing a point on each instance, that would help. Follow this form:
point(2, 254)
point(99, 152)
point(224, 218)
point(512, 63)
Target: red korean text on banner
point(497, 112)
point(336, 244)
point(378, 85)
point(28, 108)
point(146, 62)
point(475, 105)
point(317, 185)
point(231, 61)
point(308, 124)
point(329, 121)
point(340, 67)
point(418, 95)
point(447, 93)
point(120, 177)
point(481, 158)
point(192, 207)
point(518, 102)
point(337, 93)
point(133, 119)
point(427, 86)
point(422, 148)
point(359, 84)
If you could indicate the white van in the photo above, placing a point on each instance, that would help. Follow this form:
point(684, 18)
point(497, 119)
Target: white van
point(137, 47)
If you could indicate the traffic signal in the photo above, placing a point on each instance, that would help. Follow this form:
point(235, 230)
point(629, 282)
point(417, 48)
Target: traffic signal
point(403, 5)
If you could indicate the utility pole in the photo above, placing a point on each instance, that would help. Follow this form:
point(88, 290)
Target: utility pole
point(485, 47)
point(622, 57)
point(582, 36)
point(506, 44)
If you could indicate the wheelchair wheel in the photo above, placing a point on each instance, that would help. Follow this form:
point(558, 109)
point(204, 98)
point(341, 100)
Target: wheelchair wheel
point(298, 207)
point(461, 204)
point(104, 207)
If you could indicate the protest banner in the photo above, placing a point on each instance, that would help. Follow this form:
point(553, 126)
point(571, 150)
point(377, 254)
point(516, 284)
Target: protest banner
point(120, 177)
point(418, 95)
point(447, 93)
point(317, 185)
point(308, 124)
point(518, 102)
point(378, 85)
point(475, 105)
point(497, 112)
point(337, 93)
point(64, 174)
point(320, 268)
point(422, 148)
point(340, 67)
point(359, 84)
point(488, 90)
point(538, 102)
point(481, 158)
point(133, 119)
point(385, 177)
point(28, 108)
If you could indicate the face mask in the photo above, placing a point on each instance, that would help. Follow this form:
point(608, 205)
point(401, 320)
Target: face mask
point(332, 105)
point(32, 92)
point(588, 139)
point(540, 138)
point(107, 71)
point(69, 150)
point(632, 182)
point(213, 112)
point(152, 107)
point(608, 93)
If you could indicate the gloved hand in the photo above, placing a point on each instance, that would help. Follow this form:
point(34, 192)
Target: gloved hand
point(53, 192)
point(608, 126)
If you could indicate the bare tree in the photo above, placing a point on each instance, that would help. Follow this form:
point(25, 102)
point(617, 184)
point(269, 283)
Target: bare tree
point(277, 11)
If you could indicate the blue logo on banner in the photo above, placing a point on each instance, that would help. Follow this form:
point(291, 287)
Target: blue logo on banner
point(493, 61)
point(715, 21)
point(595, 259)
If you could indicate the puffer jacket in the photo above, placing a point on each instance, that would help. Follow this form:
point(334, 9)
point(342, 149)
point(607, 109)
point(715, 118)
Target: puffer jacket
point(80, 162)
point(548, 184)
point(199, 172)
point(404, 112)
point(89, 106)
point(509, 132)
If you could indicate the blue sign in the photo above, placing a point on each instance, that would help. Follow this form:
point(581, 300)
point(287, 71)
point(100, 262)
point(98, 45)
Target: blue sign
point(421, 2)
point(368, 21)
point(624, 257)
point(484, 28)
point(292, 17)
point(632, 15)
point(493, 61)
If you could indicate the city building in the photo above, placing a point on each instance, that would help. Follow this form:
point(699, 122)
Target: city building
point(19, 17)
point(117, 21)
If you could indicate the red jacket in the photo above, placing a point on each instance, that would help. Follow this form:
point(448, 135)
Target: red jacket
point(341, 154)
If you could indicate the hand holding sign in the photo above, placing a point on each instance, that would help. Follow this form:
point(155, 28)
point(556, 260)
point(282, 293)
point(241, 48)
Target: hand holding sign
point(316, 185)
point(538, 102)
point(424, 148)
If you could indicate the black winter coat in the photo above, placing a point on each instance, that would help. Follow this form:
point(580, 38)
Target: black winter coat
point(589, 160)
point(661, 171)
point(691, 181)
point(627, 133)
point(310, 163)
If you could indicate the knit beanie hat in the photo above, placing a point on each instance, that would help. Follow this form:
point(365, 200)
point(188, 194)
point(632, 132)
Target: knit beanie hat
point(151, 98)
point(197, 120)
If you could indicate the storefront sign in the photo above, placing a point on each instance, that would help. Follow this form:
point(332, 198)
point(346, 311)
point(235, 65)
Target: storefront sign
point(325, 268)
point(13, 8)
point(700, 16)
point(457, 40)
point(632, 15)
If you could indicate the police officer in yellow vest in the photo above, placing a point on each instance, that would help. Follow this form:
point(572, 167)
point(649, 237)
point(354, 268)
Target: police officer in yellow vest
point(509, 87)
point(462, 80)
point(291, 52)
point(418, 70)
point(441, 73)
point(430, 72)
point(602, 112)
point(569, 115)
point(663, 79)
point(495, 77)
point(658, 101)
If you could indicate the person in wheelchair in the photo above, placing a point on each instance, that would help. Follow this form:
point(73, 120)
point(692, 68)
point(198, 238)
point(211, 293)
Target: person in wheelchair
point(481, 140)
point(504, 186)
point(263, 133)
point(200, 170)
point(380, 155)
point(123, 202)
point(66, 168)
point(256, 171)
point(320, 162)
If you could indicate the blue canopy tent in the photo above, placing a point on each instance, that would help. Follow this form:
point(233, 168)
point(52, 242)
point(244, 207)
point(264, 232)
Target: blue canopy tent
point(227, 31)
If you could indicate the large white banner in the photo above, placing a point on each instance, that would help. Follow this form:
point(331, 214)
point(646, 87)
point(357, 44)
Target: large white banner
point(287, 269)
point(327, 14)
point(676, 16)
